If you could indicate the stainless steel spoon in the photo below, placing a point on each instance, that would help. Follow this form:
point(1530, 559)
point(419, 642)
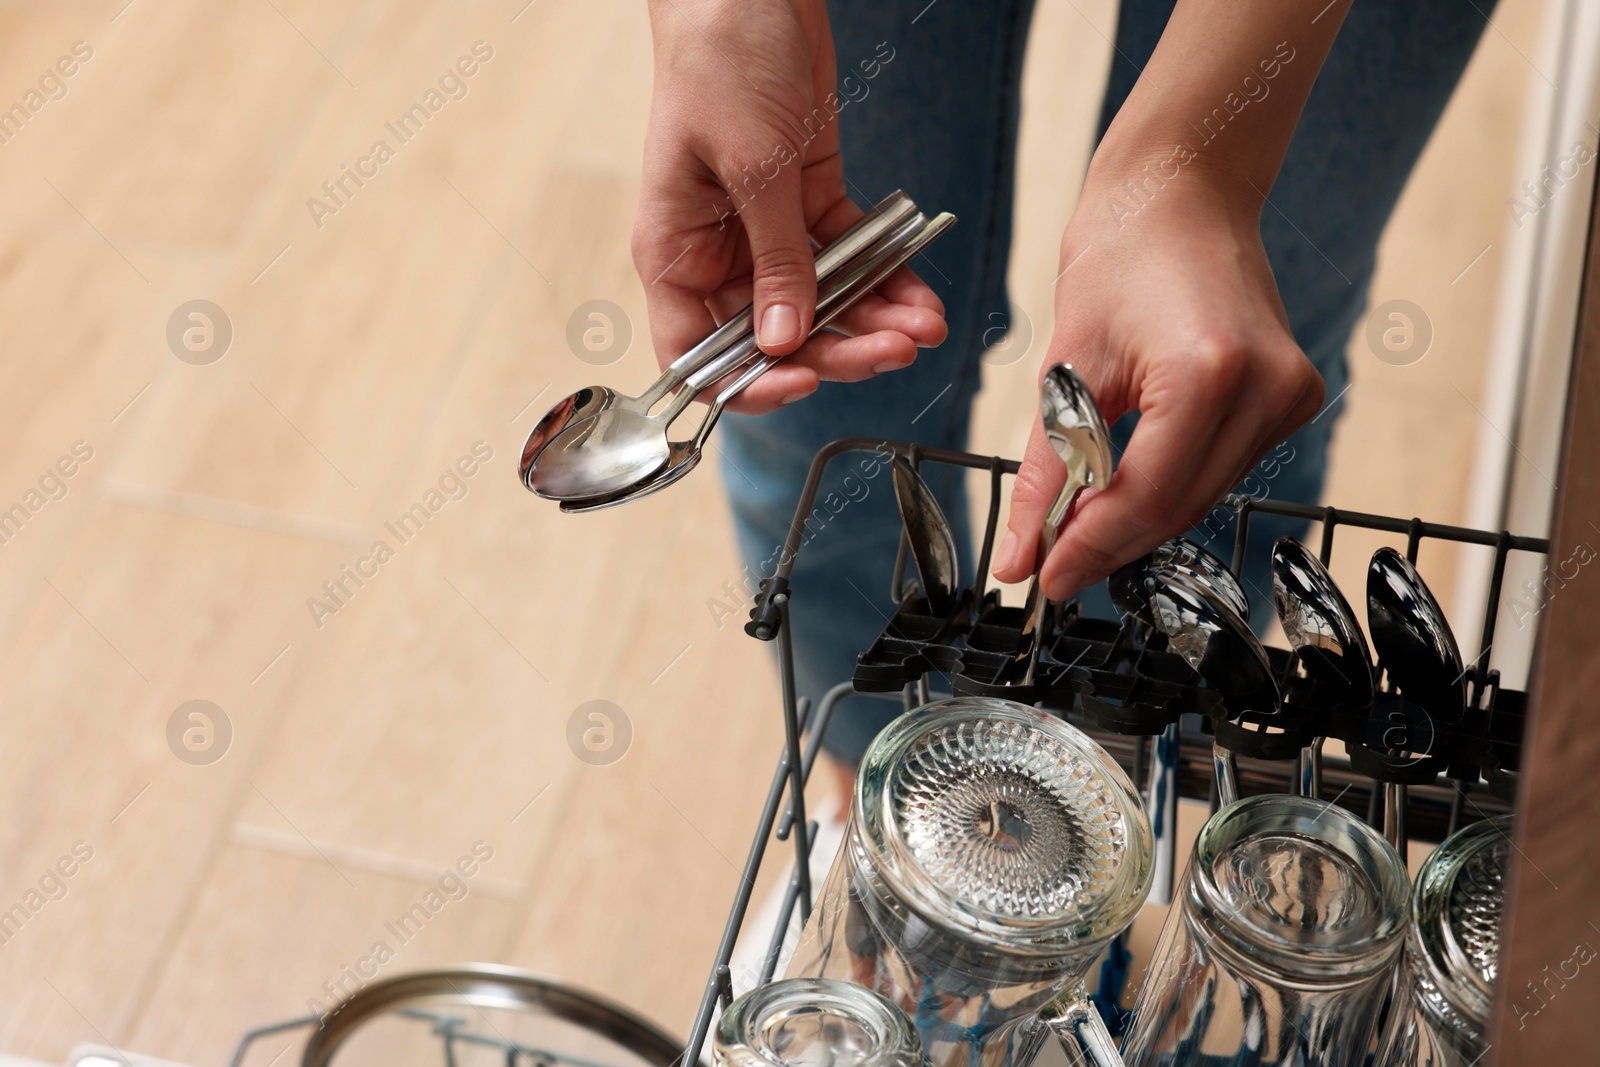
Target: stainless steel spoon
point(1418, 651)
point(1127, 583)
point(1321, 627)
point(1414, 641)
point(1077, 432)
point(1214, 639)
point(590, 401)
point(837, 293)
point(621, 445)
point(933, 546)
point(685, 455)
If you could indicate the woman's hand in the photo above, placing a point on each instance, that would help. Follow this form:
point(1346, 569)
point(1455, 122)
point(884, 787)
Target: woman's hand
point(741, 167)
point(1167, 307)
point(1166, 304)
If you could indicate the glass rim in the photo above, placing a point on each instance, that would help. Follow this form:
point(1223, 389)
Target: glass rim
point(742, 1037)
point(1332, 827)
point(1433, 945)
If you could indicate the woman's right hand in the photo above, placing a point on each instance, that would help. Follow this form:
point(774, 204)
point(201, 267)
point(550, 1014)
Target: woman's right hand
point(741, 167)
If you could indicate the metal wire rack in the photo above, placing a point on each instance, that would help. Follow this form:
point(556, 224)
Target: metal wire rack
point(1125, 693)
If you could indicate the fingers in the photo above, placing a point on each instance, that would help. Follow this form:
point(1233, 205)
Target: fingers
point(1171, 472)
point(826, 357)
point(1180, 462)
point(784, 272)
point(679, 318)
point(1038, 481)
point(1153, 481)
point(924, 325)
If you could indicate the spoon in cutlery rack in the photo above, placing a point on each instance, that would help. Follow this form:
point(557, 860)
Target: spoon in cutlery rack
point(1127, 583)
point(620, 446)
point(1320, 627)
point(1215, 640)
point(933, 545)
point(1418, 650)
point(591, 400)
point(1078, 435)
point(836, 294)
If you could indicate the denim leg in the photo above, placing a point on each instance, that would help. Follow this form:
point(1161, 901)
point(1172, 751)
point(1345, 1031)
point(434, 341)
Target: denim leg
point(939, 119)
point(1384, 85)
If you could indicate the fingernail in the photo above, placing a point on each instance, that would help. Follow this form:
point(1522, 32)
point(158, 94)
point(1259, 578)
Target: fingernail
point(780, 323)
point(1062, 586)
point(1006, 554)
point(886, 366)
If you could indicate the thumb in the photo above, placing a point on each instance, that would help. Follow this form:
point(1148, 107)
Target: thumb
point(1038, 481)
point(781, 261)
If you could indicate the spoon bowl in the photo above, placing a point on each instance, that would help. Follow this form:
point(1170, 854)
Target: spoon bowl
point(682, 456)
point(1077, 433)
point(579, 407)
point(1215, 640)
point(1319, 624)
point(933, 546)
point(1414, 641)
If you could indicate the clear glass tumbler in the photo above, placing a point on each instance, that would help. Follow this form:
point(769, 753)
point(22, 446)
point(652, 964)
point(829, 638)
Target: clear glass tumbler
point(1280, 950)
point(806, 1022)
point(991, 852)
point(1452, 953)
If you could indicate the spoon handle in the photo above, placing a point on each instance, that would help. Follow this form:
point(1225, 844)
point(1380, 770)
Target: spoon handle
point(840, 291)
point(871, 227)
point(871, 279)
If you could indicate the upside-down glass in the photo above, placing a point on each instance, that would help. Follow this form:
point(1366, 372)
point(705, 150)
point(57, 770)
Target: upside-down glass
point(815, 1022)
point(1281, 947)
point(1452, 953)
point(991, 852)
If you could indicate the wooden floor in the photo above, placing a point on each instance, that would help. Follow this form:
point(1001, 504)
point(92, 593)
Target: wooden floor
point(379, 350)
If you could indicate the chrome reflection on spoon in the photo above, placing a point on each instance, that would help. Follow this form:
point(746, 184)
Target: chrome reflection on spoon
point(1320, 626)
point(1078, 435)
point(1214, 639)
point(685, 455)
point(1127, 583)
point(933, 546)
point(1418, 651)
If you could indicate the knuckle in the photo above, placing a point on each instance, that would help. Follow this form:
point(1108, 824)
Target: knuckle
point(1219, 362)
point(1030, 489)
point(779, 268)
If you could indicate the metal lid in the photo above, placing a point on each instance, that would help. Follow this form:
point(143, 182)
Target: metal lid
point(815, 1022)
point(1456, 907)
point(1006, 825)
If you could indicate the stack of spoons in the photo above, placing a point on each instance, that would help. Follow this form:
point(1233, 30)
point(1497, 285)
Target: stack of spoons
point(599, 448)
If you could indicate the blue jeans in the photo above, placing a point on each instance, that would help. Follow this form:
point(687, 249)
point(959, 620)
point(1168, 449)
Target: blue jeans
point(940, 120)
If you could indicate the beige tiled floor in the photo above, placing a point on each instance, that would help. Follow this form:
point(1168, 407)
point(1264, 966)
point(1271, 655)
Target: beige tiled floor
point(430, 711)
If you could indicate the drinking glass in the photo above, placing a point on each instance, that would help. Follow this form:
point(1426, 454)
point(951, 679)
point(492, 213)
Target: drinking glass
point(805, 1022)
point(1452, 953)
point(1281, 948)
point(990, 853)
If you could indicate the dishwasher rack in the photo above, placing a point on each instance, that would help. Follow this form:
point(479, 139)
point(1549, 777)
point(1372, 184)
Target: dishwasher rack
point(1117, 681)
